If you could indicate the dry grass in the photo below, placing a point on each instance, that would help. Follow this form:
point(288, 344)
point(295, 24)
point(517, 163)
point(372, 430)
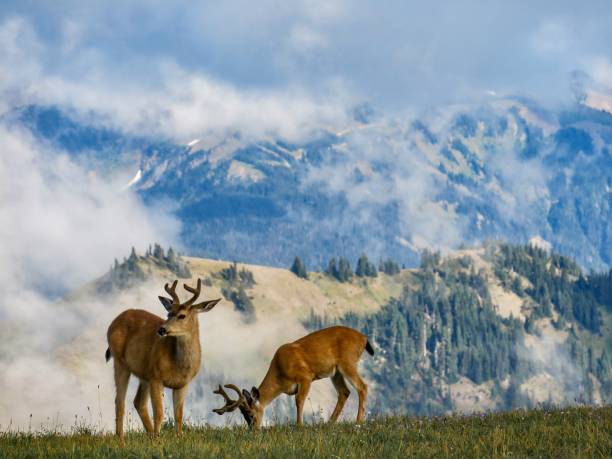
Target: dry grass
point(279, 290)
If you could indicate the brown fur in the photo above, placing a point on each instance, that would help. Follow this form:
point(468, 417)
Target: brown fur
point(158, 361)
point(329, 353)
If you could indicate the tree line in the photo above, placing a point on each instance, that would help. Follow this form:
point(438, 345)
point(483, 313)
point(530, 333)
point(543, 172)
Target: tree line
point(341, 270)
point(129, 271)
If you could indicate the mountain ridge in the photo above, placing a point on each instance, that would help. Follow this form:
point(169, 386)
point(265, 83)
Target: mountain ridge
point(509, 170)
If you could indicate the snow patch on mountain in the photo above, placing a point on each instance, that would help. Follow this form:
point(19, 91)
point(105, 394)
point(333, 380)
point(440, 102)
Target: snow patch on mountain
point(244, 172)
point(134, 180)
point(598, 101)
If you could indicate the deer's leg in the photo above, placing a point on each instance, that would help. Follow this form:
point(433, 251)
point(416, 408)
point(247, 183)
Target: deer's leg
point(178, 399)
point(157, 399)
point(343, 394)
point(360, 386)
point(122, 378)
point(300, 398)
point(140, 403)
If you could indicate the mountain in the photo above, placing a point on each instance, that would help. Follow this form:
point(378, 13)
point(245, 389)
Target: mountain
point(487, 328)
point(390, 186)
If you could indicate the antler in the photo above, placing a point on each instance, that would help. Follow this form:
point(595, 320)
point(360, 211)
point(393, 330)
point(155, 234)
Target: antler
point(230, 405)
point(194, 291)
point(172, 292)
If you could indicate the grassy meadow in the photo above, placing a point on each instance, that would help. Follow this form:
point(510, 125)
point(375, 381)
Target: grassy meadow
point(563, 433)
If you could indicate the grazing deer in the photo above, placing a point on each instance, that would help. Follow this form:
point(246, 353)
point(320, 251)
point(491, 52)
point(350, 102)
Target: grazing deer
point(329, 353)
point(161, 353)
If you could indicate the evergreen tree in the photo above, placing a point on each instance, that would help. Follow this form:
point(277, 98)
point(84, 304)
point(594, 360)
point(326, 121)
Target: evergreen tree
point(601, 286)
point(298, 268)
point(242, 302)
point(132, 261)
point(158, 252)
point(430, 260)
point(365, 268)
point(603, 366)
point(332, 268)
point(389, 267)
point(517, 286)
point(246, 278)
point(171, 257)
point(345, 273)
point(230, 273)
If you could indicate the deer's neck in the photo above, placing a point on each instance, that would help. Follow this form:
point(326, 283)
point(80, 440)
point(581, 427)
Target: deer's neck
point(187, 351)
point(269, 388)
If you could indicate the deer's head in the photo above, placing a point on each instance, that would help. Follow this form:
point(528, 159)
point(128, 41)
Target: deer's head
point(182, 317)
point(247, 403)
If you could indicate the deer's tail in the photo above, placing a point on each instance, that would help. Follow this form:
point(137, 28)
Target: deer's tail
point(369, 348)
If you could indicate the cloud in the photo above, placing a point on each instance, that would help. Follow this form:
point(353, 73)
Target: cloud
point(551, 37)
point(173, 101)
point(59, 373)
point(379, 166)
point(306, 39)
point(61, 227)
point(189, 105)
point(190, 67)
point(600, 71)
point(523, 190)
point(556, 378)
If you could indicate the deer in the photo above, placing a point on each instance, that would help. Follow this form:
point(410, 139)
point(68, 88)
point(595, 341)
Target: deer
point(332, 352)
point(160, 353)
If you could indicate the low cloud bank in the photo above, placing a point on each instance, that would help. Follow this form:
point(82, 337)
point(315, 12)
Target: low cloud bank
point(61, 227)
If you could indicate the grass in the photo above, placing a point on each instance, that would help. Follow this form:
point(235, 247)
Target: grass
point(563, 433)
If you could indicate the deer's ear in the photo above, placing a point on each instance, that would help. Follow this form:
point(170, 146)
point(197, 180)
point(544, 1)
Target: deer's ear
point(166, 302)
point(206, 305)
point(247, 395)
point(255, 393)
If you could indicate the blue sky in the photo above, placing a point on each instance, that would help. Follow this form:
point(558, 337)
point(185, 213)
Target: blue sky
point(313, 57)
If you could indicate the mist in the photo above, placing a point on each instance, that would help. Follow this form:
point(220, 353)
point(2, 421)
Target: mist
point(386, 163)
point(62, 228)
point(556, 378)
point(62, 380)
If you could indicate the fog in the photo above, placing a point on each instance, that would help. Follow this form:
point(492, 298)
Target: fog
point(62, 379)
point(62, 228)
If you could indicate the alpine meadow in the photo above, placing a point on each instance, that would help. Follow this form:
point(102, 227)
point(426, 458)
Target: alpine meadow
point(305, 229)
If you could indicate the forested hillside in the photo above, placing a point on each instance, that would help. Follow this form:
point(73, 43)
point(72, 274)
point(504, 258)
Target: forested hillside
point(444, 340)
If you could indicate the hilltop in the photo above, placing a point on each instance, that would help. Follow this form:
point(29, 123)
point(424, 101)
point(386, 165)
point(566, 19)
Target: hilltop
point(487, 328)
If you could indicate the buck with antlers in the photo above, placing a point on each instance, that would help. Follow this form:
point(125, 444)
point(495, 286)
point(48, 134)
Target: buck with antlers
point(161, 353)
point(329, 353)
